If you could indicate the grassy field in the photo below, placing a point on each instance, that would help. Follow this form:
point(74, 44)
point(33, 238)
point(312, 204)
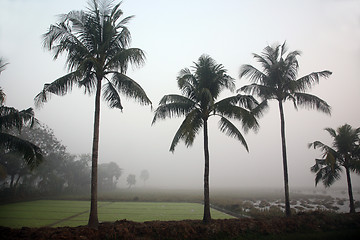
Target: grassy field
point(57, 213)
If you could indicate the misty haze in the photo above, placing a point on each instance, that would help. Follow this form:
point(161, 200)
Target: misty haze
point(199, 102)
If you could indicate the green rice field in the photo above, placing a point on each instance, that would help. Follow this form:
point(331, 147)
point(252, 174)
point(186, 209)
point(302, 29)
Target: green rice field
point(58, 213)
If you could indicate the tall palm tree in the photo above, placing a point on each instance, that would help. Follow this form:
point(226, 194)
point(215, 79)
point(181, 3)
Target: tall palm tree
point(12, 118)
point(96, 42)
point(278, 80)
point(200, 90)
point(344, 152)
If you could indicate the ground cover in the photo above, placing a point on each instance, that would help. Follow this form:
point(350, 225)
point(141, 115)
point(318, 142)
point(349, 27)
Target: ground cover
point(314, 225)
point(57, 213)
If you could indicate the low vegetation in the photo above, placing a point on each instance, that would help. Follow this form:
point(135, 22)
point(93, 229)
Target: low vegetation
point(313, 225)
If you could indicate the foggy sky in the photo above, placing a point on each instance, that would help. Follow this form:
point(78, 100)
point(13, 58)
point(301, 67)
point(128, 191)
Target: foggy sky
point(174, 34)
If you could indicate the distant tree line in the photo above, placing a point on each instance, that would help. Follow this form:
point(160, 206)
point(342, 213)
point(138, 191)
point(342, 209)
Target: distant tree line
point(59, 173)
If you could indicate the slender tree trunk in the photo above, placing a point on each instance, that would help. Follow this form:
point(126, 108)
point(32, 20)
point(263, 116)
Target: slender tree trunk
point(207, 216)
point(93, 218)
point(17, 181)
point(351, 198)
point(12, 180)
point(286, 178)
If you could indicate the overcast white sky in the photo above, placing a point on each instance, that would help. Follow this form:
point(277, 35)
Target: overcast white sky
point(174, 34)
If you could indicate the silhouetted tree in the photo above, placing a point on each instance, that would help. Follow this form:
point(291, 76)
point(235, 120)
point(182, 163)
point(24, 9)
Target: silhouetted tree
point(344, 152)
point(278, 80)
point(97, 45)
point(45, 175)
point(77, 173)
point(201, 88)
point(109, 173)
point(144, 175)
point(131, 180)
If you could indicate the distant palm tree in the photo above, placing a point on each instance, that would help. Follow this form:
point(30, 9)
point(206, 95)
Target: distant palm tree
point(345, 152)
point(200, 90)
point(12, 118)
point(278, 80)
point(97, 45)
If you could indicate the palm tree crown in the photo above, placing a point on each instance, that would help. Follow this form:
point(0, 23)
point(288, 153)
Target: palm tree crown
point(96, 43)
point(278, 80)
point(344, 153)
point(97, 46)
point(200, 89)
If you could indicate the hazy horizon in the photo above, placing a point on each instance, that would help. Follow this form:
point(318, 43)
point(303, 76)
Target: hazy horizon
point(174, 34)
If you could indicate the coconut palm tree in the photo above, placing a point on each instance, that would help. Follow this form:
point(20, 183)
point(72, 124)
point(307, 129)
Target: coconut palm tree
point(200, 90)
point(12, 118)
point(96, 43)
point(278, 80)
point(344, 153)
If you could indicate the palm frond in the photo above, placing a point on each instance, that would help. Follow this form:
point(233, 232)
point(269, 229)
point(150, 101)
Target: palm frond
point(231, 130)
point(225, 108)
point(2, 65)
point(59, 87)
point(187, 83)
point(323, 147)
point(175, 98)
point(265, 60)
point(173, 106)
point(331, 131)
point(130, 88)
point(306, 82)
point(354, 165)
point(121, 58)
point(264, 92)
point(326, 172)
point(188, 129)
point(31, 153)
point(11, 117)
point(252, 73)
point(313, 102)
point(111, 96)
point(260, 109)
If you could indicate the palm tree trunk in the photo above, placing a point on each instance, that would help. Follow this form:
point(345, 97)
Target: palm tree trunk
point(93, 218)
point(12, 180)
point(283, 143)
point(207, 216)
point(17, 181)
point(351, 198)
